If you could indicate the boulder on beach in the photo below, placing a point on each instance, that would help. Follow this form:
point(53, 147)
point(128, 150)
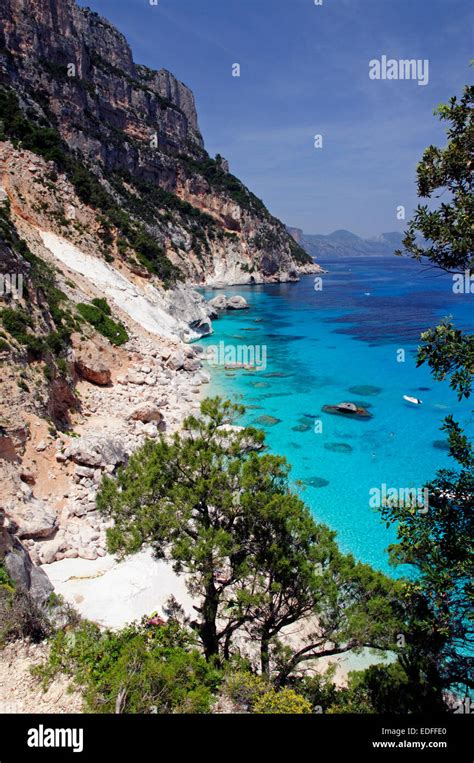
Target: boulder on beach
point(16, 559)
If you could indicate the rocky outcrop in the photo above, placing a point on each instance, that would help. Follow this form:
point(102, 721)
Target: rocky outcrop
point(19, 566)
point(96, 451)
point(34, 519)
point(221, 302)
point(189, 307)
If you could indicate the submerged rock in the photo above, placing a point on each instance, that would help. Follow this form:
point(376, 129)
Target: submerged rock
point(338, 447)
point(365, 389)
point(301, 428)
point(267, 421)
point(441, 445)
point(316, 482)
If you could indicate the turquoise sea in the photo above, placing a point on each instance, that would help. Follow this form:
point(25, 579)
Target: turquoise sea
point(342, 343)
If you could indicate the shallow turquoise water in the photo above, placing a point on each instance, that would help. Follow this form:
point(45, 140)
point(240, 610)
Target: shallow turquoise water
point(319, 344)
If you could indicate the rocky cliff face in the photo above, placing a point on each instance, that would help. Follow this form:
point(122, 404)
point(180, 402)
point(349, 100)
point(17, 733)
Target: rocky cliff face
point(135, 131)
point(110, 210)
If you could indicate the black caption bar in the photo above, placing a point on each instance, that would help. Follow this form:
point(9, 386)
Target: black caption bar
point(102, 737)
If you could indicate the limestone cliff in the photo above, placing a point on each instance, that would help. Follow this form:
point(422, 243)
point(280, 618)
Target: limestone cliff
point(128, 139)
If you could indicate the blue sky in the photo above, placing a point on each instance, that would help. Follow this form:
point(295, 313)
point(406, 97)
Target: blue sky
point(305, 71)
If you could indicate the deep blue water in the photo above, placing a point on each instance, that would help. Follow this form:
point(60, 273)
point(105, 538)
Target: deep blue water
point(319, 345)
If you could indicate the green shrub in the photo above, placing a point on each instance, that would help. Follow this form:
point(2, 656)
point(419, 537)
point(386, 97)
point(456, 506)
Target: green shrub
point(102, 304)
point(245, 688)
point(136, 670)
point(286, 702)
point(5, 583)
point(113, 331)
point(16, 322)
point(20, 617)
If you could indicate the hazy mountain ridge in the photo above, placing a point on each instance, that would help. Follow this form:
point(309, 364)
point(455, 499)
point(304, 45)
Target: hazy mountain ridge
point(344, 243)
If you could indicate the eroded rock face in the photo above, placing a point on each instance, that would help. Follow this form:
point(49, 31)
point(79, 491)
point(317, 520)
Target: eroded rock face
point(60, 33)
point(61, 399)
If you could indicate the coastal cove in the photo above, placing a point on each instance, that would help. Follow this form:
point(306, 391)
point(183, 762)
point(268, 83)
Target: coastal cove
point(344, 342)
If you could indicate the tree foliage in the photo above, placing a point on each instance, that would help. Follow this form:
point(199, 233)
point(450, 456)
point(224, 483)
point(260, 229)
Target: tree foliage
point(447, 232)
point(438, 543)
point(255, 560)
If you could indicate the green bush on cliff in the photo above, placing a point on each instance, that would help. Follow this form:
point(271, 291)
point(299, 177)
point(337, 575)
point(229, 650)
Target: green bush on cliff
point(140, 669)
point(40, 139)
point(41, 293)
point(20, 617)
point(99, 318)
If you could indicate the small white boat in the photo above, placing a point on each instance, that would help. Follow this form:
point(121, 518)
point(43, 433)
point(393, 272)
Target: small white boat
point(413, 400)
